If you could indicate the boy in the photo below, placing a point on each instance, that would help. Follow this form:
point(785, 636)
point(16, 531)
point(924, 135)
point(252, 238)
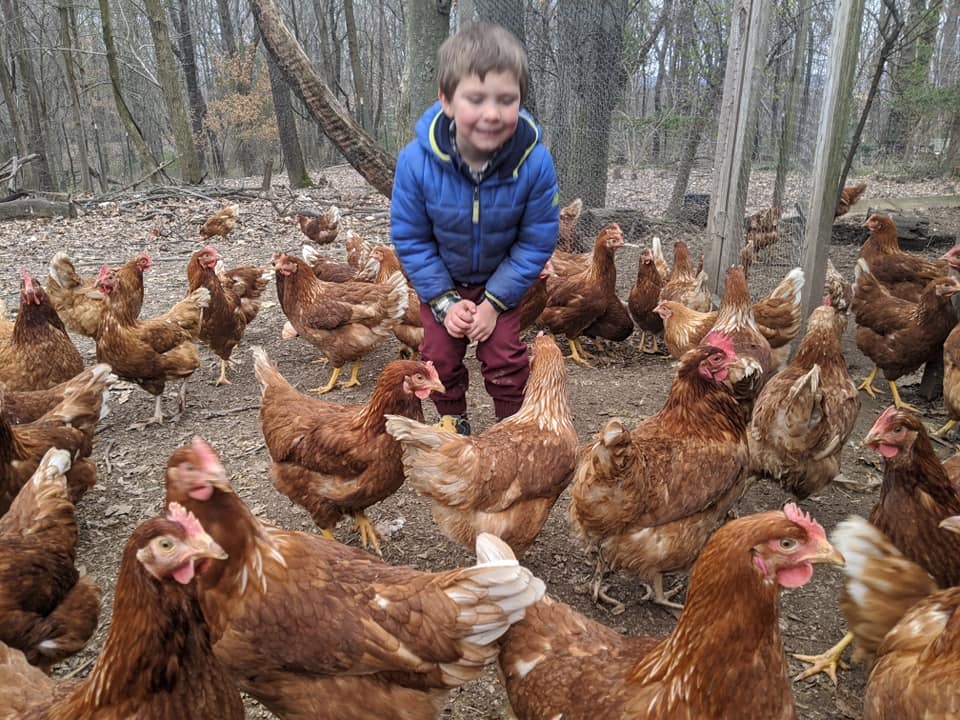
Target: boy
point(475, 216)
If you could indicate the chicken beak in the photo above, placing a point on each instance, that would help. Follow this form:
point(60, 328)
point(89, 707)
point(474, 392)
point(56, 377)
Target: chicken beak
point(436, 386)
point(828, 554)
point(204, 546)
point(951, 523)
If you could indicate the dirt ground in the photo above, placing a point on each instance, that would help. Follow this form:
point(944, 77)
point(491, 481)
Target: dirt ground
point(631, 386)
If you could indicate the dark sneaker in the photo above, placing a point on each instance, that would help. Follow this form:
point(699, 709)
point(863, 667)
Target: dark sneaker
point(454, 424)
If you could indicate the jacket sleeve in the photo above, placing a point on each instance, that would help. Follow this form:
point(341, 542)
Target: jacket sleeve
point(536, 237)
point(412, 231)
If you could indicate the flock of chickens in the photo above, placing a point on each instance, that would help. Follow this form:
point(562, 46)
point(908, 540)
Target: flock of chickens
point(210, 600)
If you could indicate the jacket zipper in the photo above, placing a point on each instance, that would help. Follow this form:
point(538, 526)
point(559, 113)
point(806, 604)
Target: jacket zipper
point(476, 227)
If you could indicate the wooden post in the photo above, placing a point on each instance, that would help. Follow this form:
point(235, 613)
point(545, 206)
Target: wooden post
point(738, 118)
point(834, 115)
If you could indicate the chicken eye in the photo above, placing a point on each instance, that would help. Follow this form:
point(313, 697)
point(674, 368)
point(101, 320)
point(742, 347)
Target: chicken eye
point(166, 544)
point(898, 428)
point(188, 467)
point(788, 544)
point(418, 377)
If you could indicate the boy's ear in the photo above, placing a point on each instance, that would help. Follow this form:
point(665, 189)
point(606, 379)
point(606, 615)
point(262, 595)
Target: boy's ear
point(445, 104)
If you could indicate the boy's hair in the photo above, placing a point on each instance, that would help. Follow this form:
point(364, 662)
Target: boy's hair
point(478, 49)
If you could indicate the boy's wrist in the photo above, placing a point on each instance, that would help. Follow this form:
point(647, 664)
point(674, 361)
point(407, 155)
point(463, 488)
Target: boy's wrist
point(495, 302)
point(441, 304)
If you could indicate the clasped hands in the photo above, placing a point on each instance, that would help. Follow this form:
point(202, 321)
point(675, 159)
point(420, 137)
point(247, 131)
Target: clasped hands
point(466, 318)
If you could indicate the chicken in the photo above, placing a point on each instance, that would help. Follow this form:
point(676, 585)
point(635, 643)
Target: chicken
point(916, 495)
point(505, 480)
point(848, 198)
point(643, 298)
point(724, 658)
point(327, 269)
point(358, 251)
point(338, 459)
point(905, 276)
point(220, 223)
point(49, 612)
point(344, 321)
point(897, 613)
point(315, 629)
point(641, 497)
point(682, 286)
point(569, 215)
point(70, 425)
point(762, 233)
point(28, 406)
point(321, 229)
point(157, 661)
point(897, 335)
point(838, 288)
point(38, 353)
point(614, 324)
point(247, 282)
point(951, 380)
point(154, 351)
point(804, 414)
point(77, 301)
point(224, 320)
point(409, 330)
point(534, 300)
point(576, 301)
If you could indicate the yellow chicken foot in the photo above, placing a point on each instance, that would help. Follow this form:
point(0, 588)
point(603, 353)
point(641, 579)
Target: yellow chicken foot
point(651, 348)
point(330, 385)
point(867, 384)
point(222, 380)
point(599, 591)
point(947, 427)
point(327, 533)
point(354, 375)
point(577, 353)
point(901, 405)
point(827, 662)
point(368, 533)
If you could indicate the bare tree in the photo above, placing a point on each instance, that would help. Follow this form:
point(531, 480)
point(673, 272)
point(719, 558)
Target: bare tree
point(297, 173)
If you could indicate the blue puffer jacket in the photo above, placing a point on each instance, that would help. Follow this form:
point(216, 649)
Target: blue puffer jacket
point(448, 230)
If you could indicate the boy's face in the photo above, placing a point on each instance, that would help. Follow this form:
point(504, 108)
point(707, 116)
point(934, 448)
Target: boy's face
point(486, 113)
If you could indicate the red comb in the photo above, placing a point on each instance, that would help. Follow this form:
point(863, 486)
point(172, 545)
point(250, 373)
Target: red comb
point(721, 341)
point(795, 514)
point(104, 272)
point(431, 370)
point(179, 514)
point(826, 300)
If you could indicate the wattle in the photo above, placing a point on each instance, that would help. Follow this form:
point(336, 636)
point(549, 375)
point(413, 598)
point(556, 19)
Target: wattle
point(184, 573)
point(793, 577)
point(888, 451)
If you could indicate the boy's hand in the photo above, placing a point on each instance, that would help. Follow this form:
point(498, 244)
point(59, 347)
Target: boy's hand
point(484, 321)
point(460, 318)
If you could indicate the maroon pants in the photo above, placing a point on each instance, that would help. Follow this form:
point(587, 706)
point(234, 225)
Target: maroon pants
point(503, 361)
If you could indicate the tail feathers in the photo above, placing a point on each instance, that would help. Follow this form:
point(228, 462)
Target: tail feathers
point(881, 583)
point(85, 399)
point(70, 626)
point(25, 687)
point(791, 287)
point(43, 503)
point(310, 254)
point(808, 383)
point(494, 593)
point(199, 297)
point(415, 433)
point(399, 297)
point(265, 371)
point(426, 466)
point(63, 272)
point(862, 268)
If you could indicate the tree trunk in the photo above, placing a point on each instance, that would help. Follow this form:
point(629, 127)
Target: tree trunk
point(509, 13)
point(591, 42)
point(359, 149)
point(172, 94)
point(227, 34)
point(188, 61)
point(363, 111)
point(688, 153)
point(126, 117)
point(10, 99)
point(66, 44)
point(35, 135)
point(287, 128)
point(427, 26)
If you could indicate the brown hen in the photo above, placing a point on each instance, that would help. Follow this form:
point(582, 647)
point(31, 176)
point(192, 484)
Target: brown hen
point(38, 353)
point(683, 286)
point(848, 198)
point(49, 612)
point(641, 497)
point(315, 629)
point(335, 459)
point(344, 321)
point(221, 223)
point(643, 298)
point(321, 229)
point(724, 659)
point(903, 275)
point(505, 480)
point(157, 661)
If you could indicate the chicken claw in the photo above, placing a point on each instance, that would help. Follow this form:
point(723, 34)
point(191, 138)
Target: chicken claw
point(354, 375)
point(331, 384)
point(222, 380)
point(867, 384)
point(598, 591)
point(826, 662)
point(368, 533)
point(663, 598)
point(947, 427)
point(577, 353)
point(901, 405)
